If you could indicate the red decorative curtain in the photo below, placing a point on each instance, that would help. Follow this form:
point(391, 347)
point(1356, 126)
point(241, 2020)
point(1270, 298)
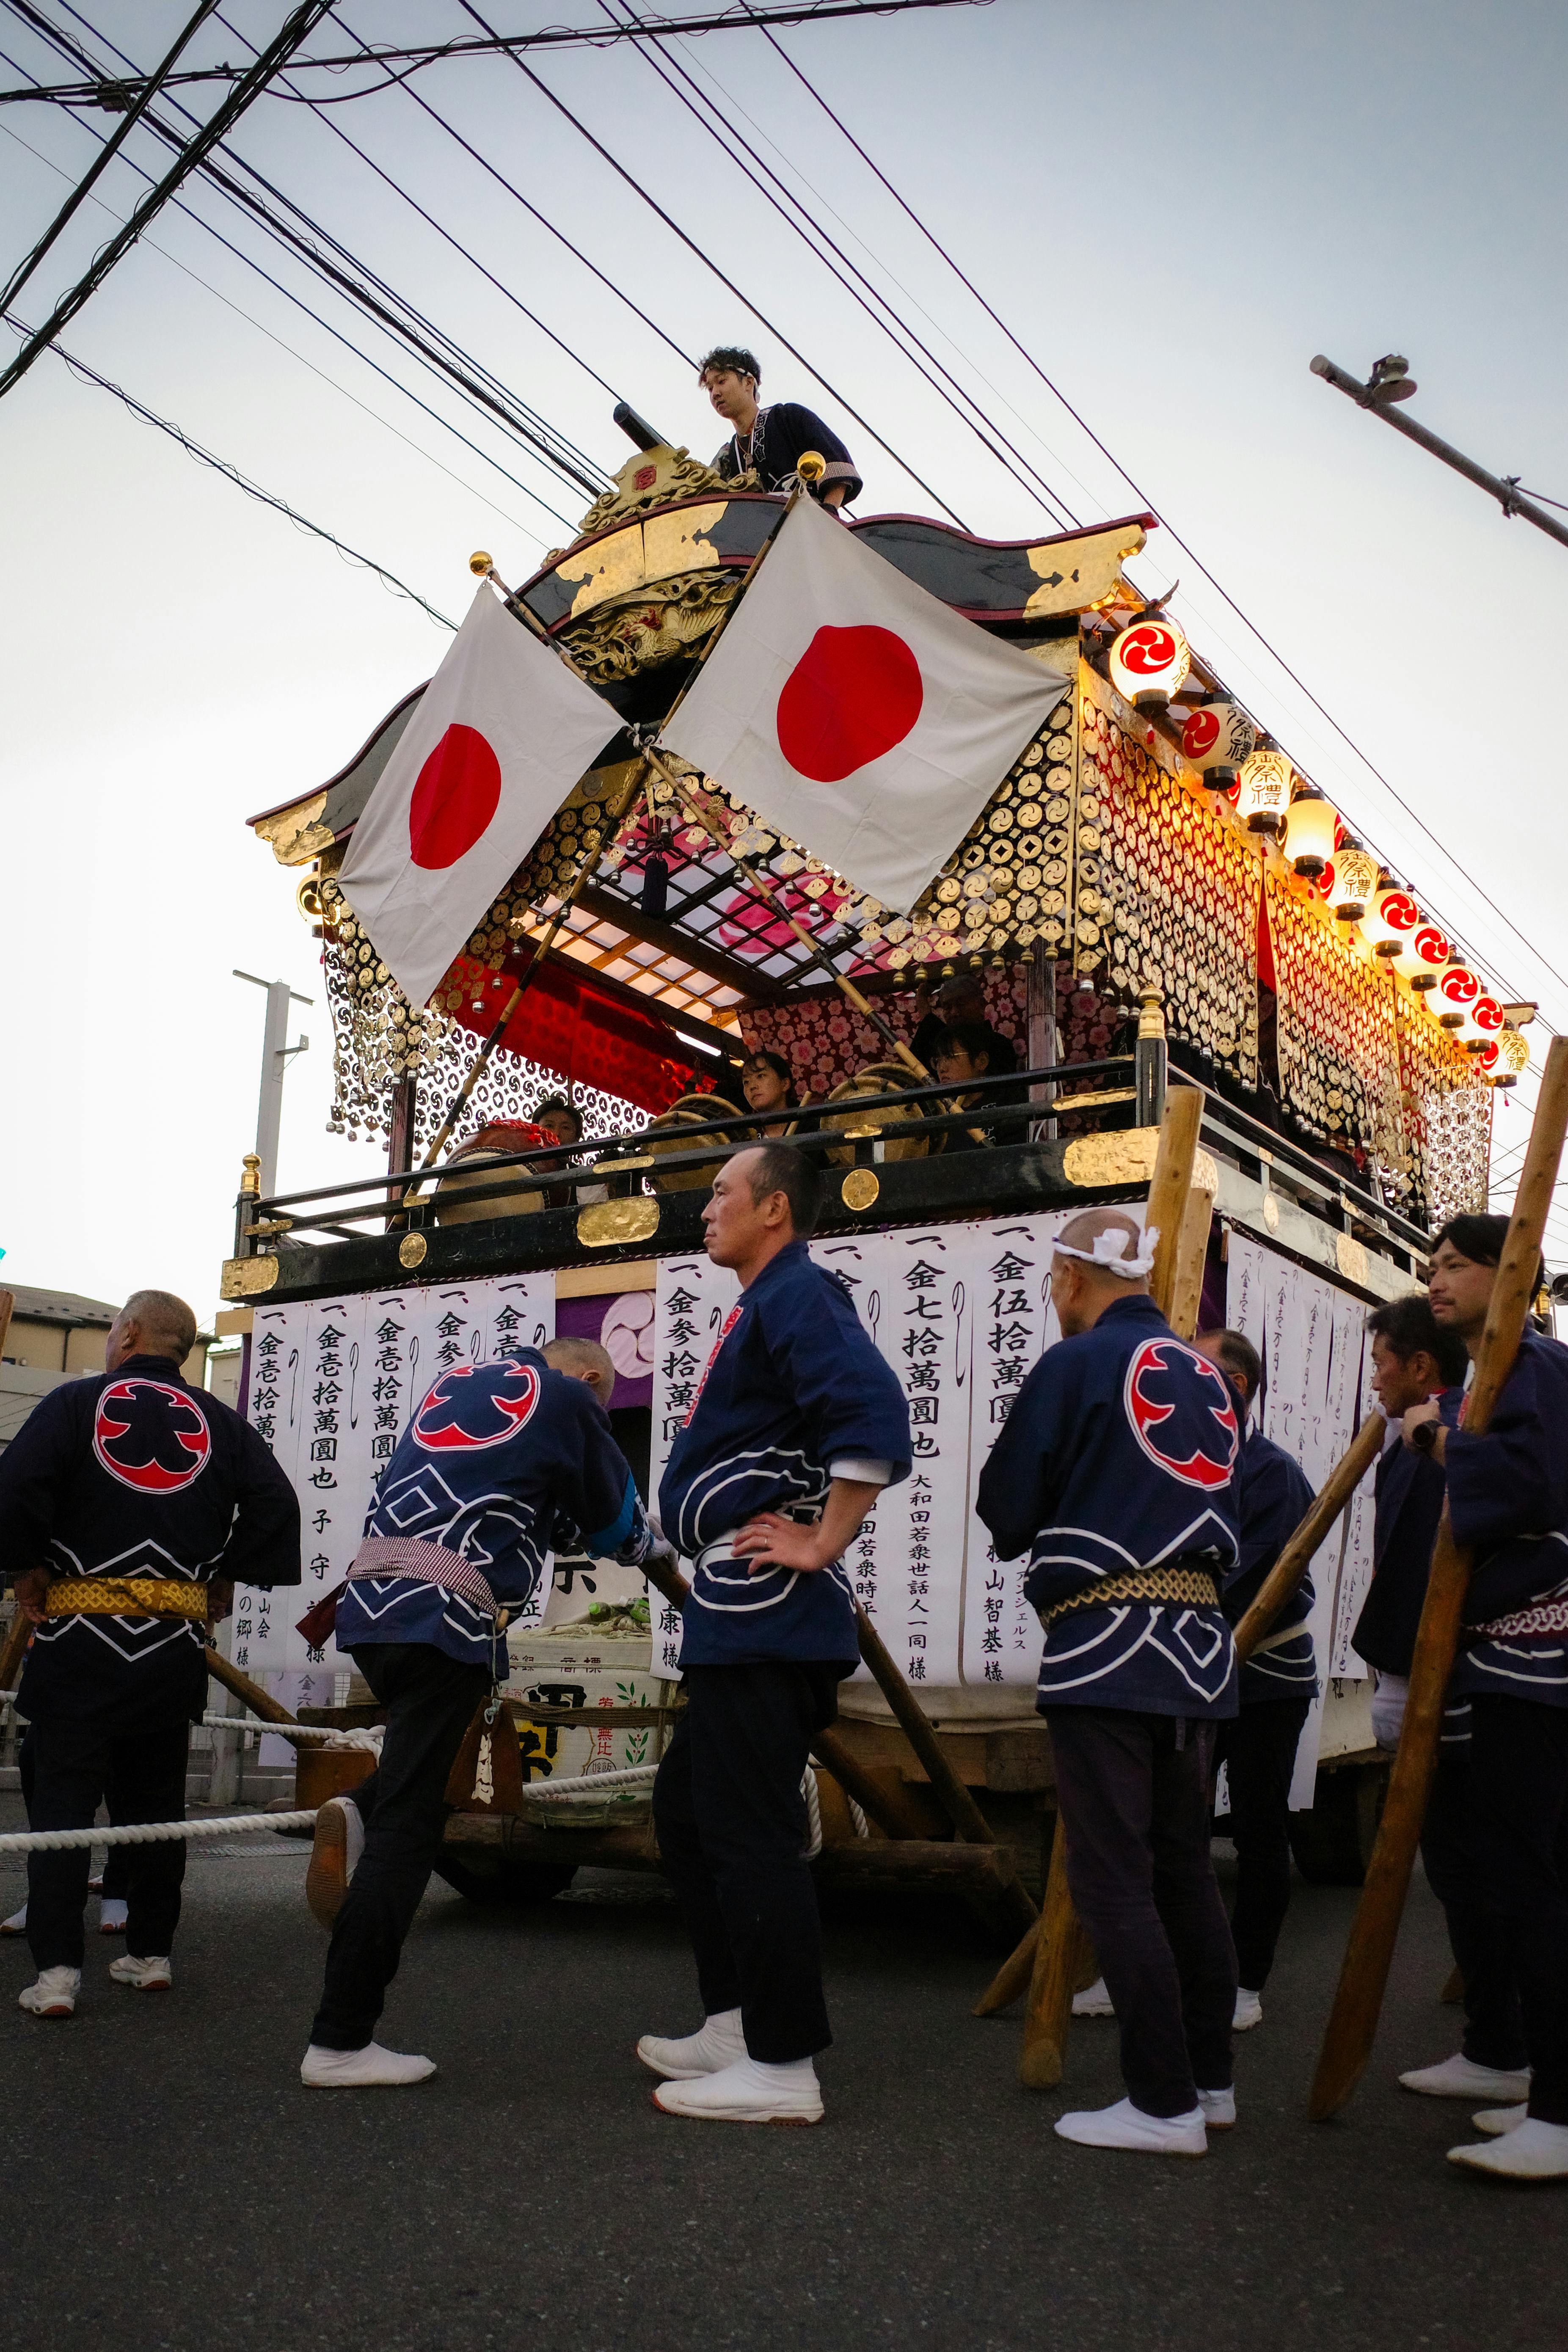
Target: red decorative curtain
point(570, 1022)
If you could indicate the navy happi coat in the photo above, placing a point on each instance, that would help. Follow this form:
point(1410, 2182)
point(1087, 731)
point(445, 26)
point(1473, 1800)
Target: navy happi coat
point(1508, 1499)
point(134, 1473)
point(1120, 1454)
point(502, 1464)
point(1273, 1497)
point(794, 1394)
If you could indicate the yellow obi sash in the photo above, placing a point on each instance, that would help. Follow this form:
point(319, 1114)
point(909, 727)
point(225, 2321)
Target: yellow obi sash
point(125, 1596)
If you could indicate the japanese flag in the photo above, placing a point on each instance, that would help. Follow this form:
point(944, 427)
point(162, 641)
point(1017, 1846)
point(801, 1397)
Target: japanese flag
point(857, 713)
point(500, 736)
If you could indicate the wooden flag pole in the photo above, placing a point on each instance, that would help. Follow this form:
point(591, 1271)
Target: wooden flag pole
point(1297, 1556)
point(1050, 1978)
point(1353, 2021)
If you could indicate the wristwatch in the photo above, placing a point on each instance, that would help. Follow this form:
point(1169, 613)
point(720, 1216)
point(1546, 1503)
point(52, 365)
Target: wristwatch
point(1424, 1436)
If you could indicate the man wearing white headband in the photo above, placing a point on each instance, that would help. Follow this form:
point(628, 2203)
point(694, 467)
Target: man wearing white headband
point(1114, 1472)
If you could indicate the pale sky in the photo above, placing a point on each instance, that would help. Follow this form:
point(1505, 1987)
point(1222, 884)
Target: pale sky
point(1173, 211)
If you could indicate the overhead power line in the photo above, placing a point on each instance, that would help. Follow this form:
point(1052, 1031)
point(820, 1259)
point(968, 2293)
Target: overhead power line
point(252, 490)
point(84, 187)
point(114, 96)
point(301, 22)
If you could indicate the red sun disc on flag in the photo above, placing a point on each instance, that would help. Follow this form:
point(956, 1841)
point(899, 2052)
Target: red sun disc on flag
point(456, 793)
point(853, 695)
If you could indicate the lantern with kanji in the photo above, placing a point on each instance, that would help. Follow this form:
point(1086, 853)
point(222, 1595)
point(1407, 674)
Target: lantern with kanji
point(1309, 833)
point(1216, 739)
point(1356, 880)
point(1149, 661)
point(1512, 1057)
point(1263, 795)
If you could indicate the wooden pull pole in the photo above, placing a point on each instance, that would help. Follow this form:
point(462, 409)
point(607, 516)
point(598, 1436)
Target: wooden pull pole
point(15, 1650)
point(259, 1701)
point(1353, 2021)
point(1191, 1256)
point(1169, 1187)
point(1061, 1948)
point(1298, 1554)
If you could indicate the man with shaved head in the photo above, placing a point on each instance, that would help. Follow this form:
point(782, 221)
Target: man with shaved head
point(502, 1464)
point(131, 1504)
point(1114, 1473)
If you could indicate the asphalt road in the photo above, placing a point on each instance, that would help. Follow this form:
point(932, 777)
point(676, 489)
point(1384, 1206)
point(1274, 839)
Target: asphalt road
point(170, 2183)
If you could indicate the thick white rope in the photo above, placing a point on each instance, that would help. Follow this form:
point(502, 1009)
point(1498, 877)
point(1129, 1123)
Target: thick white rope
point(808, 1789)
point(304, 1735)
point(149, 1833)
point(588, 1782)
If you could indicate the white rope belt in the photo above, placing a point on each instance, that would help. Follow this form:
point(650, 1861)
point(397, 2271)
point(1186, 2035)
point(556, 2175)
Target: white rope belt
point(149, 1833)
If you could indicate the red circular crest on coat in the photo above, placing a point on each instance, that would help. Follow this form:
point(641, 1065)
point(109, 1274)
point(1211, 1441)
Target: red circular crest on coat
point(1191, 1432)
point(1200, 734)
point(456, 793)
point(476, 1405)
point(151, 1435)
point(853, 695)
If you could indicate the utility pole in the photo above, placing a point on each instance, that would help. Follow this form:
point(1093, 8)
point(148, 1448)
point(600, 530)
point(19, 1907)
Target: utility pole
point(275, 1054)
point(1391, 382)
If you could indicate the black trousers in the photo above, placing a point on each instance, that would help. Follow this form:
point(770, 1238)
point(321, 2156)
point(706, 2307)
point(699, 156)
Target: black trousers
point(1260, 1746)
point(1453, 1849)
point(75, 1763)
point(430, 1700)
point(1519, 1757)
point(1134, 1792)
point(732, 1824)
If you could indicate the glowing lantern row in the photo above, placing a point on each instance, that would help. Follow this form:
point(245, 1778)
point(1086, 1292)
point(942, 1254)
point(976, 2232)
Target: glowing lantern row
point(1428, 956)
point(1216, 739)
point(1457, 990)
point(1263, 794)
point(1356, 880)
point(1390, 923)
point(1309, 824)
point(1506, 1059)
point(1149, 662)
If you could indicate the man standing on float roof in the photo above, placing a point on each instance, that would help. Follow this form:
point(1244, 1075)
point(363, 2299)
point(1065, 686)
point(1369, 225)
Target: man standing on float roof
point(1114, 1471)
point(771, 442)
point(131, 1504)
point(797, 1426)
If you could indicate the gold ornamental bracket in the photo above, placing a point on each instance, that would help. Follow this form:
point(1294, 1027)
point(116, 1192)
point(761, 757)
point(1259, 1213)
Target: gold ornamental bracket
point(1128, 1157)
point(247, 1277)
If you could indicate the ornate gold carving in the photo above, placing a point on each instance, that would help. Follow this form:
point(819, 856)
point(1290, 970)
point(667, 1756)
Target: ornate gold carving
point(412, 1249)
point(1077, 574)
point(654, 477)
point(1127, 1157)
point(247, 1277)
point(623, 1167)
point(608, 1225)
point(295, 834)
point(1271, 1213)
point(860, 1188)
point(632, 634)
point(1350, 1258)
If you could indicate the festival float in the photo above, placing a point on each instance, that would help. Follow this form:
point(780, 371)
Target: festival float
point(1152, 899)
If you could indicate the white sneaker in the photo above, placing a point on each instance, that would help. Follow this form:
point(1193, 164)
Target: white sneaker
point(1461, 2078)
point(718, 2044)
point(1532, 2150)
point(1219, 2108)
point(148, 1975)
point(55, 1993)
point(113, 1912)
point(16, 1924)
point(1248, 2010)
point(1125, 2126)
point(1093, 2001)
point(1495, 2121)
point(371, 2068)
point(748, 2091)
point(335, 1853)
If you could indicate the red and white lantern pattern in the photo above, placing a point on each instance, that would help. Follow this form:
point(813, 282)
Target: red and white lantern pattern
point(1149, 662)
point(1218, 736)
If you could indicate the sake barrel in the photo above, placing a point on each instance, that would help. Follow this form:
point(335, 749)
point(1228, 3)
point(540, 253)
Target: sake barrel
point(876, 1079)
point(669, 1132)
point(467, 1168)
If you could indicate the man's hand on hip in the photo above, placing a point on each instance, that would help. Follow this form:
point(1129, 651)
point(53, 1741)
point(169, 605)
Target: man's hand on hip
point(31, 1589)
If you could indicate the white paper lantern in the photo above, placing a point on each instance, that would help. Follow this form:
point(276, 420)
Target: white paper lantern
point(1457, 989)
point(1427, 956)
point(1356, 880)
point(1263, 795)
point(1216, 739)
point(1512, 1057)
point(1390, 923)
point(1309, 833)
point(1149, 661)
point(1484, 1024)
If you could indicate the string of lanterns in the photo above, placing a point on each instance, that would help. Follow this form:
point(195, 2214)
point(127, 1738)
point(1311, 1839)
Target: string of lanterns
point(1150, 661)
